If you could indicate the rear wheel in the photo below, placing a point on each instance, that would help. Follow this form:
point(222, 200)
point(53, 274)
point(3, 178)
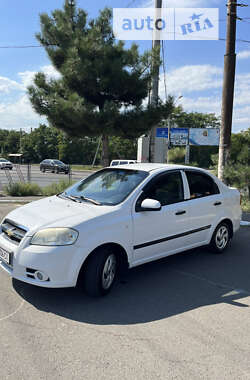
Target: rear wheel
point(100, 272)
point(221, 238)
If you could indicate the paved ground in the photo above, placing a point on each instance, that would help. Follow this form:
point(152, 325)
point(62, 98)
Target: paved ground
point(42, 179)
point(184, 317)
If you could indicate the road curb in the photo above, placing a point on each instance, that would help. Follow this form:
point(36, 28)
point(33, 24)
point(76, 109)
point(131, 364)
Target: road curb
point(15, 201)
point(244, 223)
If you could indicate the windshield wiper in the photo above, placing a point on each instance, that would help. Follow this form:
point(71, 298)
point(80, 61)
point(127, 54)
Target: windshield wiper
point(90, 200)
point(72, 198)
point(80, 198)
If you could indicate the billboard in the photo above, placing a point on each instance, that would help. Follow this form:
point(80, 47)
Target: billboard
point(179, 136)
point(204, 136)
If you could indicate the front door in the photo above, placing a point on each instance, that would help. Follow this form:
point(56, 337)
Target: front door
point(157, 233)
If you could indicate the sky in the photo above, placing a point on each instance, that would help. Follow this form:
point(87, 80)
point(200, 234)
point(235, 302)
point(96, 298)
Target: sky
point(194, 69)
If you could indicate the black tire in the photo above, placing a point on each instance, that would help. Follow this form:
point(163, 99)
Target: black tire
point(221, 238)
point(94, 281)
point(43, 170)
point(57, 171)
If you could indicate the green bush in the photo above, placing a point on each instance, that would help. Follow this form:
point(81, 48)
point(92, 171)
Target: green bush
point(55, 188)
point(245, 204)
point(176, 155)
point(19, 189)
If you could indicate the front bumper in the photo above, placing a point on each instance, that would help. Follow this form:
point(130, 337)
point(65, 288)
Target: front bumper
point(59, 264)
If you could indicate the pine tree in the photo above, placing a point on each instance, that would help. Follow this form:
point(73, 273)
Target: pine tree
point(102, 85)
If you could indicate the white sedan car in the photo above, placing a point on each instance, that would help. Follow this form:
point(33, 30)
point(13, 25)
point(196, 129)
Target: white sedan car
point(117, 218)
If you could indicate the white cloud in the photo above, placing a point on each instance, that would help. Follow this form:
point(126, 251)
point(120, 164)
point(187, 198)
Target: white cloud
point(19, 115)
point(27, 77)
point(244, 54)
point(7, 85)
point(201, 88)
point(192, 78)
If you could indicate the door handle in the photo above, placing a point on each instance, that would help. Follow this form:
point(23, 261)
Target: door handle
point(180, 212)
point(217, 203)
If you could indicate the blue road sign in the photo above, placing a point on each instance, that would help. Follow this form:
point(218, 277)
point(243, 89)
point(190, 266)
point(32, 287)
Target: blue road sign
point(162, 132)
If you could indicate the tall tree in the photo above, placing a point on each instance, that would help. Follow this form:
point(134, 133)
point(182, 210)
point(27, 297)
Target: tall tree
point(102, 84)
point(194, 119)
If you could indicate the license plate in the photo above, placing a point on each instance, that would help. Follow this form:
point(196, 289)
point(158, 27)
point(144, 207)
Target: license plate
point(5, 256)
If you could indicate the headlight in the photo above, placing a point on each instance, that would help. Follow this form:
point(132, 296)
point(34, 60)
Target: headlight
point(55, 236)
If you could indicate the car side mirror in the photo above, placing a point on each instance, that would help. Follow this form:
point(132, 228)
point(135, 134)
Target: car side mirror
point(150, 205)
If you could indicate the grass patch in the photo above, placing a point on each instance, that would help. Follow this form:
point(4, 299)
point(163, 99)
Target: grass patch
point(55, 188)
point(19, 189)
point(86, 167)
point(245, 204)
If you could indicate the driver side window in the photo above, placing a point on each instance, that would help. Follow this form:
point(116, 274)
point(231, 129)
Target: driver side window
point(167, 189)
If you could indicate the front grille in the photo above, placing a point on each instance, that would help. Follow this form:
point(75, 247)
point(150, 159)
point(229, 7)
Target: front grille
point(12, 231)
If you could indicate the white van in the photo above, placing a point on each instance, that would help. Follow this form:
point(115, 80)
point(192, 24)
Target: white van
point(122, 162)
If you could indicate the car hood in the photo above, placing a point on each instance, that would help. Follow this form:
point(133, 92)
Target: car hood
point(56, 212)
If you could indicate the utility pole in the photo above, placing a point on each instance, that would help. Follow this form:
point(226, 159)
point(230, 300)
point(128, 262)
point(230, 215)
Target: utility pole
point(155, 80)
point(228, 88)
point(20, 140)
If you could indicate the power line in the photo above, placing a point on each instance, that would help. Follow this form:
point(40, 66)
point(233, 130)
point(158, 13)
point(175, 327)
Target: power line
point(40, 46)
point(21, 47)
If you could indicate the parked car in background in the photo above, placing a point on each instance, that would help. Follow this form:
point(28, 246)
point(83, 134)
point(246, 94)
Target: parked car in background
point(122, 162)
point(5, 164)
point(54, 166)
point(117, 218)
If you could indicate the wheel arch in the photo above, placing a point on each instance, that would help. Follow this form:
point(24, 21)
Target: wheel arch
point(119, 251)
point(229, 223)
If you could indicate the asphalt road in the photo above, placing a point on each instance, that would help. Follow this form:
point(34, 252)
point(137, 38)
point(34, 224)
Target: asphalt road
point(42, 179)
point(184, 317)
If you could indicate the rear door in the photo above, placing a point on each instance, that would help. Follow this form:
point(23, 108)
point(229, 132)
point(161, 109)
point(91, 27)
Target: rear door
point(203, 205)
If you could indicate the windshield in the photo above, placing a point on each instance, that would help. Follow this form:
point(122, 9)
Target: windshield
point(108, 186)
point(3, 160)
point(58, 162)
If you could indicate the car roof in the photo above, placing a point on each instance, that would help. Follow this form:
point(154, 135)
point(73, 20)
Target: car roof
point(150, 167)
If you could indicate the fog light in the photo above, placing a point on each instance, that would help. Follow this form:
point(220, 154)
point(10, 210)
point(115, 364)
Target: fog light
point(40, 276)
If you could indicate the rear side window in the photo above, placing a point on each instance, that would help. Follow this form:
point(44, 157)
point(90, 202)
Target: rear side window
point(123, 162)
point(201, 185)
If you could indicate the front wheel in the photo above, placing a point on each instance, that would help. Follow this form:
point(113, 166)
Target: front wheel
point(221, 238)
point(100, 273)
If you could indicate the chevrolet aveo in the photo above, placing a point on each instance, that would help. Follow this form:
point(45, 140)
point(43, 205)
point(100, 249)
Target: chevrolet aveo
point(117, 218)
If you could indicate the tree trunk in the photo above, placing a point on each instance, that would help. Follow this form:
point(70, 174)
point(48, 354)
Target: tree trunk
point(105, 150)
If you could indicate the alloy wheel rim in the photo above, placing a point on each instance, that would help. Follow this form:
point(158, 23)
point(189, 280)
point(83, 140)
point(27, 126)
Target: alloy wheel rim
point(222, 237)
point(109, 271)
